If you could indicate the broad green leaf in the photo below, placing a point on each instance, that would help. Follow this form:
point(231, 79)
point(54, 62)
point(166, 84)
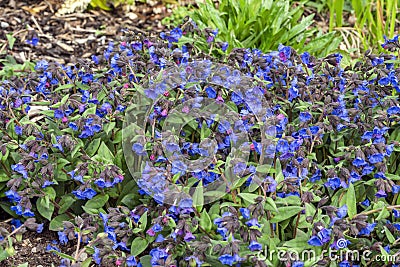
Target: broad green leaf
point(97, 202)
point(138, 245)
point(93, 147)
point(285, 213)
point(45, 207)
point(56, 223)
point(205, 221)
point(198, 197)
point(351, 201)
point(248, 197)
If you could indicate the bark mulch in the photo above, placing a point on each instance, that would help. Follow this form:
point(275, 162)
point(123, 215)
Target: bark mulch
point(65, 38)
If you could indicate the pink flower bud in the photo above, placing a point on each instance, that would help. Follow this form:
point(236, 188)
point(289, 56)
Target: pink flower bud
point(252, 147)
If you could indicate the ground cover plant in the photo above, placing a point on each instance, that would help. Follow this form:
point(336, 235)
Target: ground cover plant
point(261, 24)
point(155, 153)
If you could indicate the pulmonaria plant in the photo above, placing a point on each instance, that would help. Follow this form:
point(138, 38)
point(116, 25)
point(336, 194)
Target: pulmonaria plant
point(285, 151)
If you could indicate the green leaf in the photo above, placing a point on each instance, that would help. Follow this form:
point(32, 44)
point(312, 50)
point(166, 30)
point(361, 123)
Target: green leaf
point(109, 127)
point(3, 176)
point(57, 223)
point(270, 204)
point(93, 147)
point(45, 207)
point(205, 221)
point(105, 153)
point(351, 201)
point(11, 40)
point(389, 236)
point(97, 202)
point(138, 245)
point(248, 197)
point(65, 202)
point(285, 213)
point(146, 261)
point(198, 197)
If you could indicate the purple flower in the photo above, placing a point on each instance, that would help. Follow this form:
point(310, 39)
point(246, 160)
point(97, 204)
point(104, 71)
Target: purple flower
point(186, 203)
point(224, 46)
point(381, 194)
point(189, 237)
point(18, 130)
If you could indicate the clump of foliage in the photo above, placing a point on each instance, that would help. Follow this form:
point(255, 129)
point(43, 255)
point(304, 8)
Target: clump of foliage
point(263, 25)
point(322, 154)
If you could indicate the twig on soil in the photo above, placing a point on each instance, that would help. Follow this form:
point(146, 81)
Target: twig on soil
point(37, 24)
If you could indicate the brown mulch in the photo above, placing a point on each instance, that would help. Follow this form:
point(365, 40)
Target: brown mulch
point(64, 38)
point(32, 250)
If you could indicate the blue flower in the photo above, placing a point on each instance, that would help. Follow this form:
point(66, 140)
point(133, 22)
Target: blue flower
point(211, 93)
point(375, 158)
point(224, 46)
point(282, 146)
point(254, 245)
point(366, 202)
point(62, 237)
point(333, 183)
point(227, 259)
point(298, 264)
point(88, 193)
point(139, 149)
point(158, 254)
point(42, 65)
point(253, 222)
point(131, 261)
point(305, 116)
point(20, 169)
point(96, 255)
point(34, 41)
point(359, 162)
point(314, 241)
point(186, 203)
point(18, 130)
point(381, 194)
point(342, 211)
point(393, 110)
point(368, 229)
point(13, 196)
point(245, 213)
